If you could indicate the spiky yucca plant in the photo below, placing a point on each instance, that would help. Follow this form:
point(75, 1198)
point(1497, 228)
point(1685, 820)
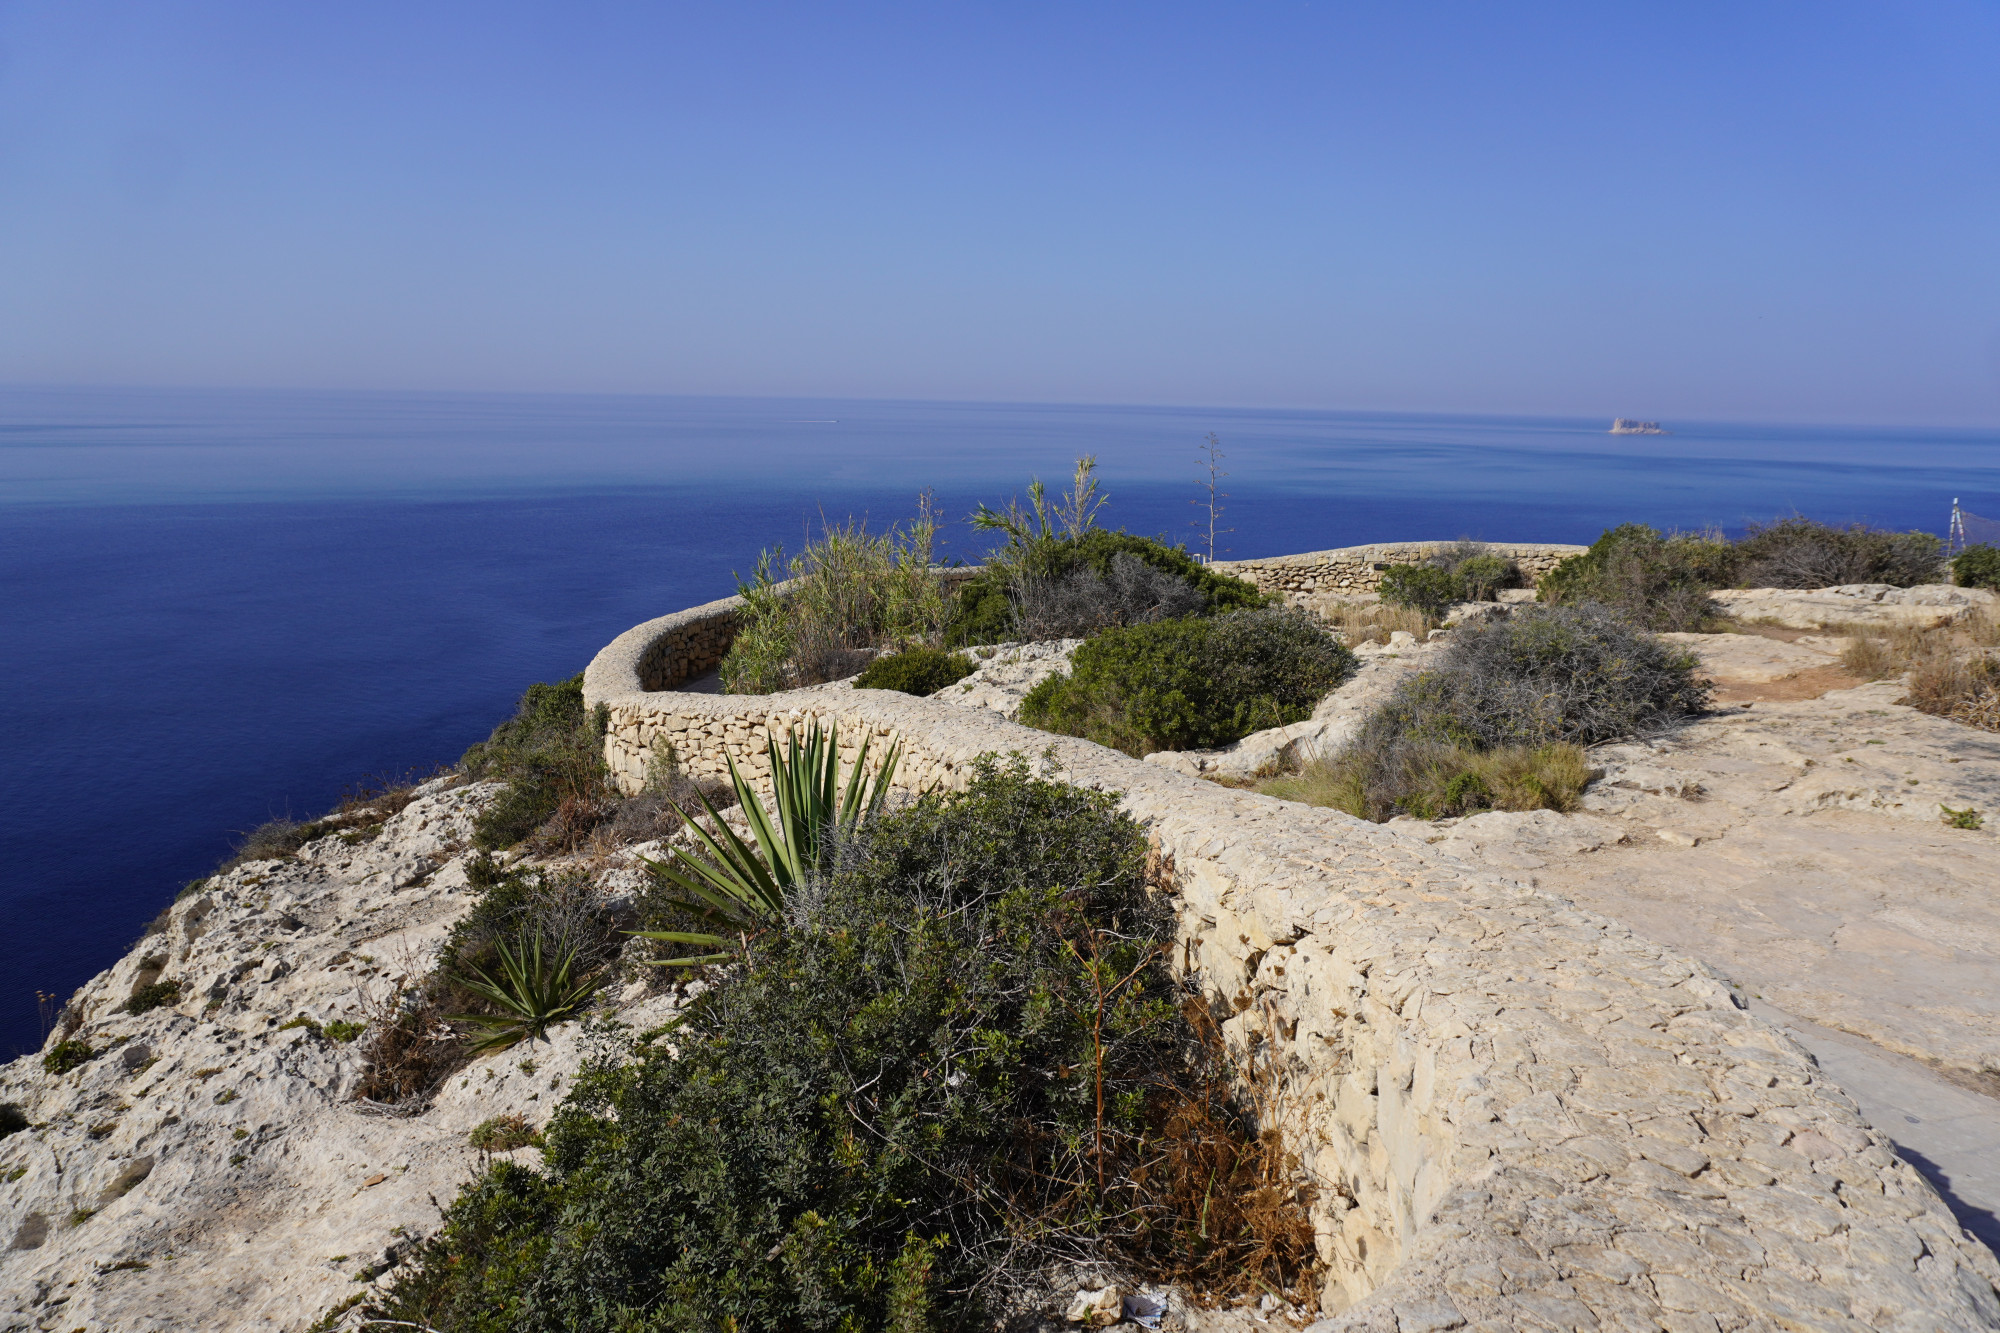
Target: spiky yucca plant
point(733, 886)
point(537, 984)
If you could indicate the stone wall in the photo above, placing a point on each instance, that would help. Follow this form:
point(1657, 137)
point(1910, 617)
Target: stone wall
point(1356, 569)
point(1515, 1114)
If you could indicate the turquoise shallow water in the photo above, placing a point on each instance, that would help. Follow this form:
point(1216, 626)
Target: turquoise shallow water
point(225, 606)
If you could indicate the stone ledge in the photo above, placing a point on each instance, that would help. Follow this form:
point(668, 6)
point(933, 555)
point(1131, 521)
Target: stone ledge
point(1517, 1114)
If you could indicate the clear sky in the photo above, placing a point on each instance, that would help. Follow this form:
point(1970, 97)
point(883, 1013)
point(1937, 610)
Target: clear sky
point(1732, 209)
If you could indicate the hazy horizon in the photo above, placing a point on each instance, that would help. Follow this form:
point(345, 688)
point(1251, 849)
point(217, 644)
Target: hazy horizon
point(1778, 214)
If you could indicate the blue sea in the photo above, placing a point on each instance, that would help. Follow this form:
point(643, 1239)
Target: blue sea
point(227, 606)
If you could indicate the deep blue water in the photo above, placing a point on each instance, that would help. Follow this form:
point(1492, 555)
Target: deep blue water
point(222, 607)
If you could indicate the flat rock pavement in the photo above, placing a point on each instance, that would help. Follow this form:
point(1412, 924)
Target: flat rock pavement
point(1796, 844)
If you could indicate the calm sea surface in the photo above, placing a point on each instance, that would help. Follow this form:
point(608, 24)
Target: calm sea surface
point(222, 607)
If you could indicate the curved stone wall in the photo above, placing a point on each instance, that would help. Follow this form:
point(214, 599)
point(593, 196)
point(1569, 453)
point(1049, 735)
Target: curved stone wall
point(1515, 1114)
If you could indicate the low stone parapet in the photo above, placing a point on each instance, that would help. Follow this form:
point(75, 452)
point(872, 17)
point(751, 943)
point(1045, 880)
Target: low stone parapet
point(1513, 1114)
point(1359, 569)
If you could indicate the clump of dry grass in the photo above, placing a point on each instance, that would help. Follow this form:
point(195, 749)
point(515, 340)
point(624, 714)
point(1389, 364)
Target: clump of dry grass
point(1440, 780)
point(1952, 670)
point(1371, 622)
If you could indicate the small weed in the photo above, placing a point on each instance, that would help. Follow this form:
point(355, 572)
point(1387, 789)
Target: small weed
point(342, 1030)
point(204, 1075)
point(16, 1174)
point(503, 1133)
point(238, 1159)
point(126, 1266)
point(103, 1131)
point(154, 996)
point(1967, 818)
point(226, 1096)
point(328, 1321)
point(240, 1134)
point(68, 1055)
point(81, 1215)
point(302, 1021)
point(528, 1067)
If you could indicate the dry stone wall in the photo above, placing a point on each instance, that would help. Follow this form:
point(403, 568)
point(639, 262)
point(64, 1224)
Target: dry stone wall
point(1358, 569)
point(1515, 1114)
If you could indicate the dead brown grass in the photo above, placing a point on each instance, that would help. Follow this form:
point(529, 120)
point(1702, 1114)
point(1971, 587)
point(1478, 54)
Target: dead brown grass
point(1370, 622)
point(1952, 669)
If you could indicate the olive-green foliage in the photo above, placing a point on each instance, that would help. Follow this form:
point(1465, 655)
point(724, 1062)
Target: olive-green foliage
point(502, 1133)
point(918, 671)
point(887, 1102)
point(1968, 818)
point(1660, 582)
point(153, 995)
point(67, 1055)
point(987, 608)
point(1977, 567)
point(1190, 684)
point(343, 1030)
point(1424, 588)
point(550, 754)
point(849, 590)
point(1544, 676)
point(1465, 571)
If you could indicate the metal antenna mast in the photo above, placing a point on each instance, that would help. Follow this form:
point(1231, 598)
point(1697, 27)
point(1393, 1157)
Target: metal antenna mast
point(1955, 539)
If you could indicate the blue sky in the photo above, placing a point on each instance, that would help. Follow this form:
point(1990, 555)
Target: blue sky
point(1692, 210)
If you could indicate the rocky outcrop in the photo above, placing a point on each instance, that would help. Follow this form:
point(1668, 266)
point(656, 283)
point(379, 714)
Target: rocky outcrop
point(207, 1166)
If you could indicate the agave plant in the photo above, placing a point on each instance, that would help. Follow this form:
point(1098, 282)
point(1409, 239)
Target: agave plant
point(733, 886)
point(537, 984)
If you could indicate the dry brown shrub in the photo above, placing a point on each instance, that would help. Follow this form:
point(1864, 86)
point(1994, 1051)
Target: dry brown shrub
point(1218, 1207)
point(1951, 668)
point(411, 1049)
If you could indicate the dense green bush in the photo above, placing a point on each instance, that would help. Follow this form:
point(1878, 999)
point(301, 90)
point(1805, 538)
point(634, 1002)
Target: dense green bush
point(1424, 588)
point(1191, 684)
point(1659, 581)
point(889, 1112)
point(1977, 567)
point(551, 756)
point(1543, 677)
point(918, 671)
point(1800, 553)
point(12, 1119)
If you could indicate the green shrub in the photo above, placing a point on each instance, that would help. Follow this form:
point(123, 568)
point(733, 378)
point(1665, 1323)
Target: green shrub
point(1480, 576)
point(1545, 676)
point(67, 1055)
point(918, 671)
point(945, 1076)
point(343, 1030)
point(12, 1120)
point(1977, 567)
point(153, 996)
point(1191, 684)
point(1800, 553)
point(1968, 818)
point(550, 754)
point(1424, 588)
point(1660, 582)
point(849, 591)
